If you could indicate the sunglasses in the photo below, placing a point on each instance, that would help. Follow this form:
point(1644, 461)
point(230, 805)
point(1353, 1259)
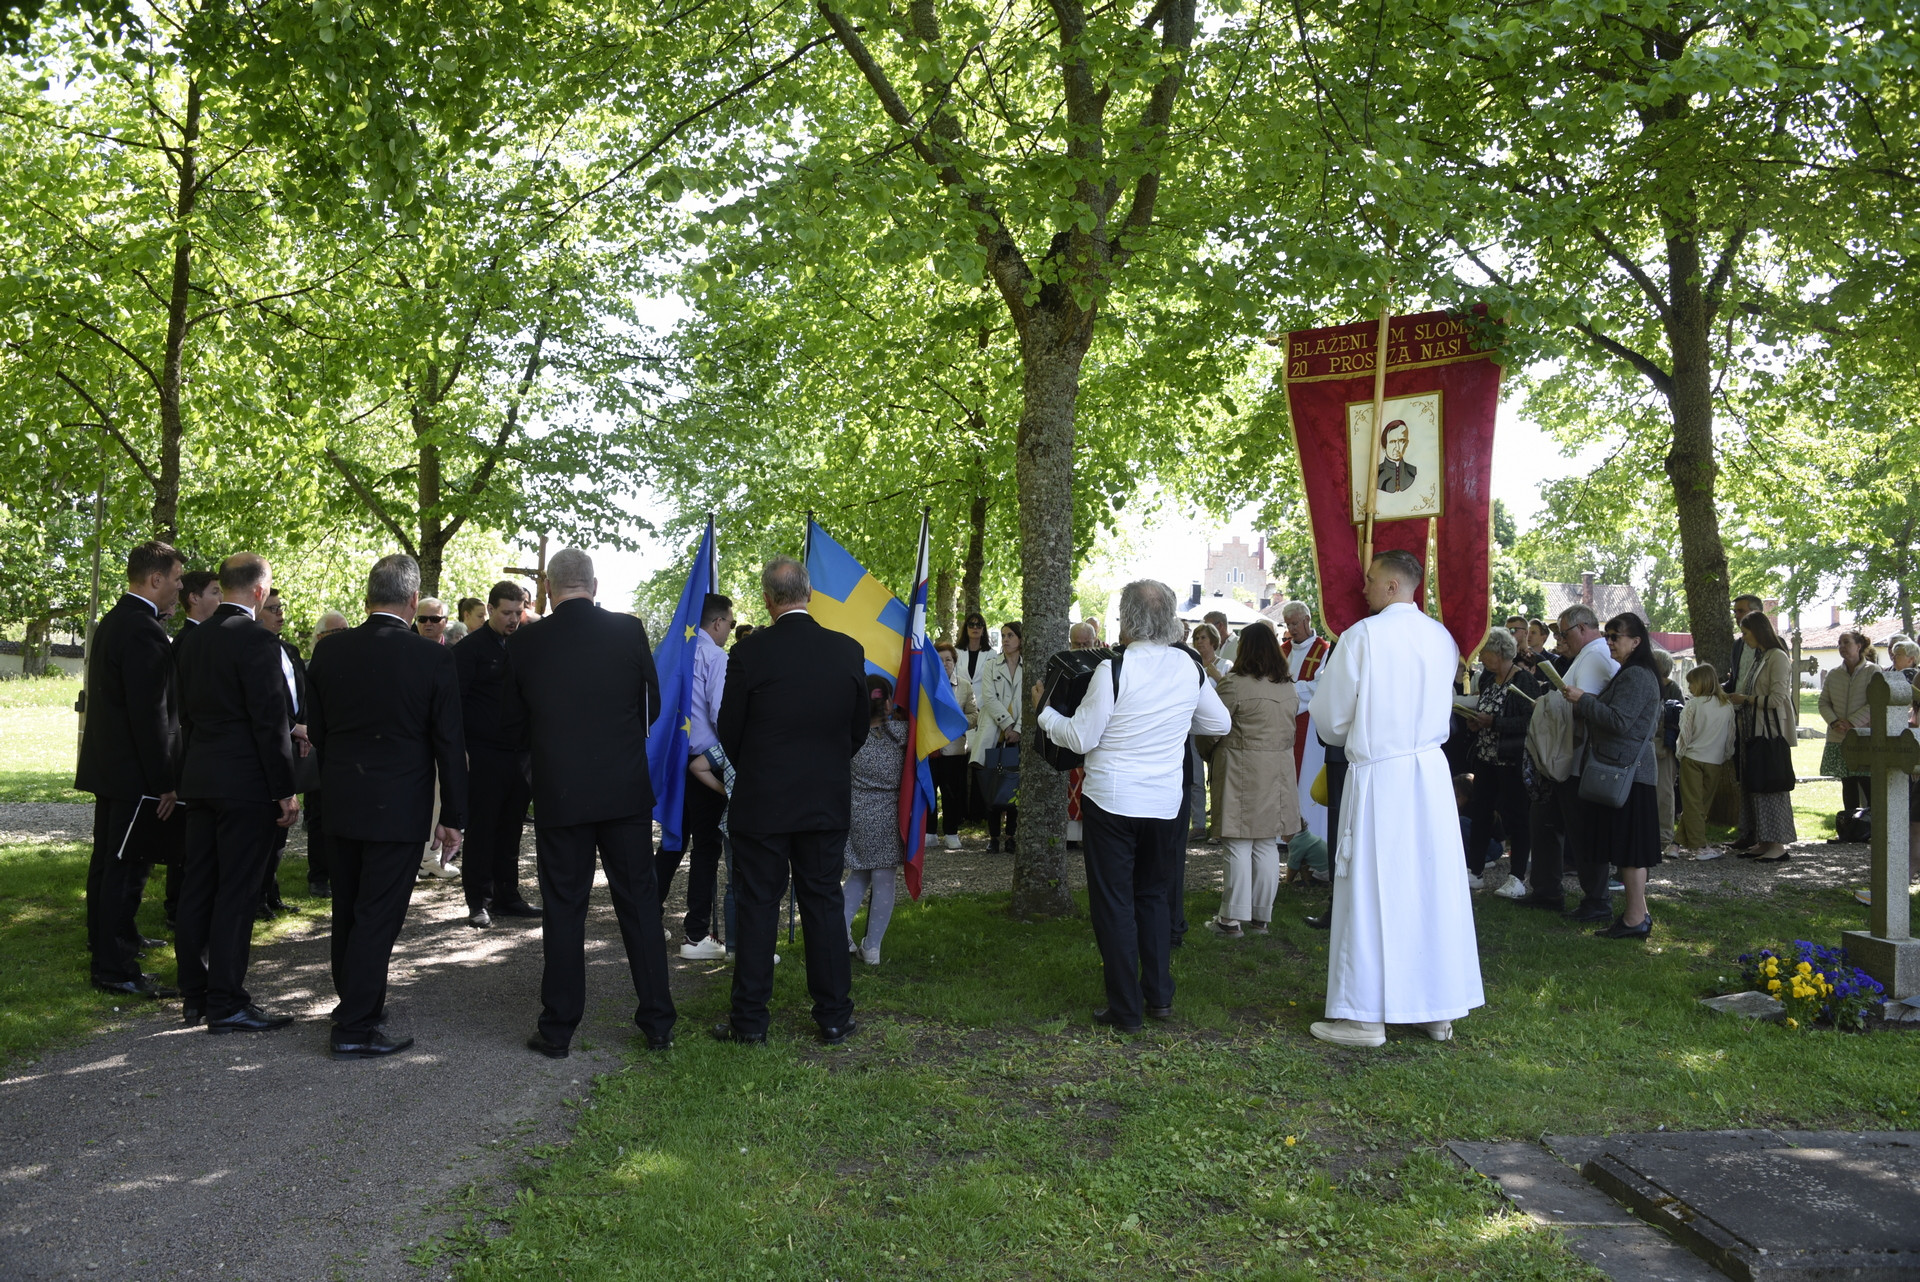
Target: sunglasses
point(430, 618)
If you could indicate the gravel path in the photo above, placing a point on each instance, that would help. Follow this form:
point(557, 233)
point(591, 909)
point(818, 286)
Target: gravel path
point(154, 1151)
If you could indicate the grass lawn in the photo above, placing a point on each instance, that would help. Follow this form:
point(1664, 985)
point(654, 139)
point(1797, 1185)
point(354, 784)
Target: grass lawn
point(38, 740)
point(979, 1127)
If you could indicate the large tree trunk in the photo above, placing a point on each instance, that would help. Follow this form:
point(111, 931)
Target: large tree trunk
point(1053, 345)
point(943, 603)
point(36, 645)
point(976, 559)
point(433, 539)
point(166, 495)
point(1691, 466)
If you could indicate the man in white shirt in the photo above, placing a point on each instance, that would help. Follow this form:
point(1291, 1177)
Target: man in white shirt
point(1593, 667)
point(1135, 740)
point(1402, 949)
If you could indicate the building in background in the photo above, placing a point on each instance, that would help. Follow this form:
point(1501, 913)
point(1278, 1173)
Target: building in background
point(1238, 572)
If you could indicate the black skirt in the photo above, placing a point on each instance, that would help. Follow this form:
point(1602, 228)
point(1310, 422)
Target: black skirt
point(1630, 836)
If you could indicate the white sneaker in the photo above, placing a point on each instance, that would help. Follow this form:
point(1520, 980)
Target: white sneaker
point(1616, 885)
point(479, 918)
point(1440, 1030)
point(871, 956)
point(1708, 852)
point(708, 949)
point(1476, 882)
point(1513, 889)
point(1864, 896)
point(433, 868)
point(1350, 1032)
point(953, 842)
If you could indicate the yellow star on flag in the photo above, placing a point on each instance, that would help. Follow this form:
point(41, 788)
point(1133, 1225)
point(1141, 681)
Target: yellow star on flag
point(690, 631)
point(687, 725)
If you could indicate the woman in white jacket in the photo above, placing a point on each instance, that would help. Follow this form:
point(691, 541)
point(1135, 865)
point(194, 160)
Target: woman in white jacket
point(997, 693)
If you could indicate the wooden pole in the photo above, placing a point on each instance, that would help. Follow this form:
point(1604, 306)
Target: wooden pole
point(1371, 477)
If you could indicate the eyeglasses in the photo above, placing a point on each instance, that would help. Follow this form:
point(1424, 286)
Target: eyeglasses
point(274, 609)
point(430, 618)
point(1616, 636)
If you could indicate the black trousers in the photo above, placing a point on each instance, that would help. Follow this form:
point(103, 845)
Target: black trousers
point(497, 799)
point(228, 846)
point(319, 845)
point(1856, 792)
point(1576, 830)
point(1336, 791)
point(761, 864)
point(127, 837)
point(1130, 866)
point(1498, 789)
point(270, 883)
point(372, 885)
point(950, 779)
point(565, 858)
point(700, 831)
point(1544, 849)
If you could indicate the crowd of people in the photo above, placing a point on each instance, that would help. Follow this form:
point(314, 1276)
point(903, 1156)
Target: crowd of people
point(1571, 749)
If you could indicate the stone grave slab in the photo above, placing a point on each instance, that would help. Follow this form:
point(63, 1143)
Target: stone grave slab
point(1774, 1206)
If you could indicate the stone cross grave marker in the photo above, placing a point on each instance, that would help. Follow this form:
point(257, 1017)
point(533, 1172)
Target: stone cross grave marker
point(1887, 951)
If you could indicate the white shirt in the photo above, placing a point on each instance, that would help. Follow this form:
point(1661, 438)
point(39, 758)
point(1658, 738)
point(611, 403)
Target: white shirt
point(1296, 660)
point(1135, 745)
point(1590, 672)
point(1706, 730)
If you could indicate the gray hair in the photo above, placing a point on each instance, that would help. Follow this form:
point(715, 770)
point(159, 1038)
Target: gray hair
point(393, 579)
point(1147, 613)
point(434, 602)
point(1295, 609)
point(570, 568)
point(1578, 616)
point(1080, 630)
point(1662, 663)
point(784, 582)
point(1904, 649)
point(335, 619)
point(1501, 642)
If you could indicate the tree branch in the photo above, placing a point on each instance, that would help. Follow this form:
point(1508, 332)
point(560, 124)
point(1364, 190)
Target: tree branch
point(106, 425)
point(508, 422)
point(372, 500)
point(1633, 269)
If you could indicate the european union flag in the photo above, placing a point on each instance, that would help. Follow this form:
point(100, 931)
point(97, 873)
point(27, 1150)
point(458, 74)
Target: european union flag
point(848, 599)
point(669, 738)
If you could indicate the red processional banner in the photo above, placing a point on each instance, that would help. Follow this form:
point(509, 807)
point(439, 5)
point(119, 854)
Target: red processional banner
point(1432, 468)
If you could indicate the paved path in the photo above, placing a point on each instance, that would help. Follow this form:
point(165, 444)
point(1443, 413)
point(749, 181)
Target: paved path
point(155, 1151)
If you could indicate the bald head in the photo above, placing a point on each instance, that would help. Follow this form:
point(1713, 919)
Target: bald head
point(245, 579)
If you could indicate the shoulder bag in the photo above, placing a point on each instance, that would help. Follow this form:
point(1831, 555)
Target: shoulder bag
point(1766, 762)
point(1607, 784)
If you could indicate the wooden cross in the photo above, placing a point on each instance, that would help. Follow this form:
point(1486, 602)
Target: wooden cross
point(1887, 757)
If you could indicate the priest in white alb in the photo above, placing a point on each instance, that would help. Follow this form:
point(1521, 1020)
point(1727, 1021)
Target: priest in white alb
point(1403, 948)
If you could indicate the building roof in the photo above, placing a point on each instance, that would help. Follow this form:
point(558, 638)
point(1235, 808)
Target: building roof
point(1829, 638)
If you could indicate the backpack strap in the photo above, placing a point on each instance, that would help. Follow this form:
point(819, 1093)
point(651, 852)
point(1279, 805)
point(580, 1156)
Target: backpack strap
point(1119, 653)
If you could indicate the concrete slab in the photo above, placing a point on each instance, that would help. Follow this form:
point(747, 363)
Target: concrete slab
point(1752, 1004)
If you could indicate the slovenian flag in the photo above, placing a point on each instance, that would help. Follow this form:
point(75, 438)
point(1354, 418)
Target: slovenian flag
point(669, 740)
point(934, 719)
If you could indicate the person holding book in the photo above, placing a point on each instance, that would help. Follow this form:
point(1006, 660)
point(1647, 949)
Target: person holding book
point(1502, 710)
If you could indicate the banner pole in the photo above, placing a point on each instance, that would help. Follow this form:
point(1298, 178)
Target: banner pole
point(1371, 477)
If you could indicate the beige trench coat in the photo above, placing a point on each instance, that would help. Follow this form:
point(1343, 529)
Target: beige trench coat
point(1254, 793)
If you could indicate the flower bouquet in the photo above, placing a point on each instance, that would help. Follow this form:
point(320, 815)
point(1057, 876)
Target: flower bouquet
point(1815, 984)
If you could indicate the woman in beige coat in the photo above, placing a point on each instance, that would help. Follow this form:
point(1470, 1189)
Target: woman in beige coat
point(1768, 705)
point(1254, 794)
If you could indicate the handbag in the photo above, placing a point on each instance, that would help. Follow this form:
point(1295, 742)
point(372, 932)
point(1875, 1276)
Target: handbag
point(1319, 790)
point(1000, 783)
point(1608, 784)
point(1765, 763)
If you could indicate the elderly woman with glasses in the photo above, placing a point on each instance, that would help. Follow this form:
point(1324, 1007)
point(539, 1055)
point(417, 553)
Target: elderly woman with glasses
point(1502, 712)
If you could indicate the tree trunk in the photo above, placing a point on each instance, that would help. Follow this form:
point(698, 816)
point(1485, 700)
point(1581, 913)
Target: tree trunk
point(166, 495)
point(34, 646)
point(433, 540)
point(943, 603)
point(1691, 466)
point(976, 560)
point(1053, 345)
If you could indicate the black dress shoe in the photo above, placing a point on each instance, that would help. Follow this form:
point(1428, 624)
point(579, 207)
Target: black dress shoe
point(1323, 922)
point(369, 1046)
point(248, 1019)
point(1620, 929)
point(1160, 1012)
point(836, 1035)
point(726, 1032)
point(539, 1042)
point(1553, 903)
point(520, 909)
point(145, 986)
point(1590, 912)
point(1107, 1019)
point(191, 1013)
point(320, 889)
point(1742, 845)
point(660, 1043)
point(148, 941)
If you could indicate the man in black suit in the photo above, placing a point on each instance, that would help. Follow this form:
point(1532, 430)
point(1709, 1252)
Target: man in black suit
point(583, 680)
point(199, 598)
point(237, 781)
point(129, 761)
point(793, 714)
point(385, 709)
point(496, 764)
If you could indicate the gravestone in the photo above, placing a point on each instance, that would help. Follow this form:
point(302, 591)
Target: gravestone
point(1887, 950)
point(1773, 1206)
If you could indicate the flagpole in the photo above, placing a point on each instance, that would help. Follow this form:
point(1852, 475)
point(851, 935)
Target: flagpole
point(1371, 478)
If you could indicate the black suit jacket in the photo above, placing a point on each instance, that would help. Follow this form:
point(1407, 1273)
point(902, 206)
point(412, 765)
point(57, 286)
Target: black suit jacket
point(132, 744)
point(383, 709)
point(233, 711)
point(582, 680)
point(480, 658)
point(793, 714)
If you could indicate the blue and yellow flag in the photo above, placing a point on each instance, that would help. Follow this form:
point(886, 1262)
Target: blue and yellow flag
point(669, 739)
point(848, 599)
